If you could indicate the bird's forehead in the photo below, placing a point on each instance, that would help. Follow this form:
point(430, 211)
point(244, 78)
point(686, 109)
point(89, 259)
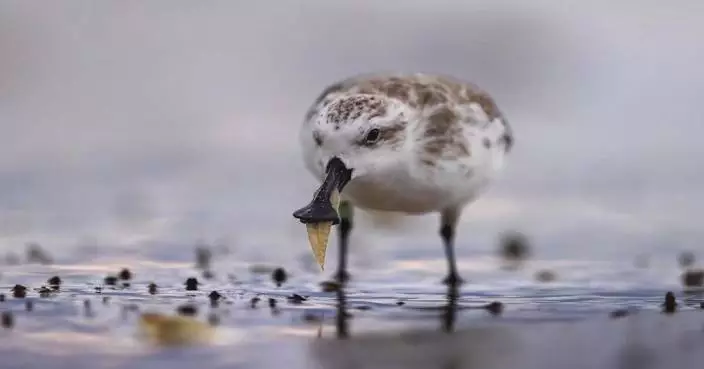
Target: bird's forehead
point(352, 109)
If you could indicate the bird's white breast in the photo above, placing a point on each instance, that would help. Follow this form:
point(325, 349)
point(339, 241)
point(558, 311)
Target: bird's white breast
point(416, 189)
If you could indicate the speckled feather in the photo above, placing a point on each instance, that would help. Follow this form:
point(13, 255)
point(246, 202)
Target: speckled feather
point(441, 140)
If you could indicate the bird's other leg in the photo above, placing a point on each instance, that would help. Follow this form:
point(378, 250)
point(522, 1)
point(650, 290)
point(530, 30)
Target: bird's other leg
point(448, 225)
point(343, 232)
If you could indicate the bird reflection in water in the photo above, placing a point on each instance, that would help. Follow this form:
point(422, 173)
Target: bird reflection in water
point(341, 320)
point(450, 310)
point(447, 316)
point(442, 348)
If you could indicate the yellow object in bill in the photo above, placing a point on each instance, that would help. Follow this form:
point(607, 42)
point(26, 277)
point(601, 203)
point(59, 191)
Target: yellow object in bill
point(319, 233)
point(174, 330)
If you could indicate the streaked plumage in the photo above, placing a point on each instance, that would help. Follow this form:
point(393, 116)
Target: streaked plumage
point(416, 143)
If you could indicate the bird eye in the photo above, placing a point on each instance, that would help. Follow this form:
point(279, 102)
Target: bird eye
point(372, 136)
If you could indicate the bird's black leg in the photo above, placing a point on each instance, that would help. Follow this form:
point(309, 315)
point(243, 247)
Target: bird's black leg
point(448, 223)
point(343, 232)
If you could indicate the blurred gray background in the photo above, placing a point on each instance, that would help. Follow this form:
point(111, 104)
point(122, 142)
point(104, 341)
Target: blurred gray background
point(134, 123)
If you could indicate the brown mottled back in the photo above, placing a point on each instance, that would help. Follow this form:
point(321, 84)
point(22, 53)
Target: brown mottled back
point(442, 137)
point(420, 91)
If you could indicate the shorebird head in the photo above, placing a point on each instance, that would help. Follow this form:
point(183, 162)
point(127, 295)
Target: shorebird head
point(351, 136)
point(366, 132)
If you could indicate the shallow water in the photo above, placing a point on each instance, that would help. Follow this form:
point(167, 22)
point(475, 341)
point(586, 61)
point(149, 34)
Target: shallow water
point(381, 304)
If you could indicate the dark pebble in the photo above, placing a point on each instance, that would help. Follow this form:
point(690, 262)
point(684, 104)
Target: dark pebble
point(279, 276)
point(125, 274)
point(19, 291)
point(54, 282)
point(272, 302)
point(110, 280)
point(7, 319)
point(126, 285)
point(2, 297)
point(214, 297)
point(152, 288)
point(514, 246)
point(686, 259)
point(98, 289)
point(191, 284)
point(400, 303)
point(693, 278)
point(670, 304)
point(701, 305)
point(495, 308)
point(253, 302)
point(29, 305)
point(106, 300)
point(187, 310)
point(296, 299)
point(364, 307)
point(330, 286)
point(545, 276)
